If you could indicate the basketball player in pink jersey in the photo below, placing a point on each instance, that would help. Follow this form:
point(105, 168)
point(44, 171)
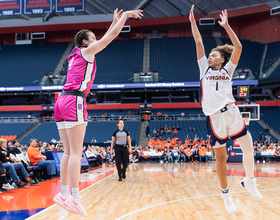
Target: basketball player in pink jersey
point(223, 117)
point(70, 108)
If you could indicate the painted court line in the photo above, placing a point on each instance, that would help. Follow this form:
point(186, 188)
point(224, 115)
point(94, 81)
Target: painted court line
point(196, 197)
point(46, 209)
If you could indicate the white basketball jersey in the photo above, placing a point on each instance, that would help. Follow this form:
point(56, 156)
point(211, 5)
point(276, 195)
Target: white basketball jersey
point(215, 86)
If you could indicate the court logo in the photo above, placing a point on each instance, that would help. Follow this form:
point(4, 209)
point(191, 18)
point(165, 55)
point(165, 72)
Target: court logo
point(232, 154)
point(80, 106)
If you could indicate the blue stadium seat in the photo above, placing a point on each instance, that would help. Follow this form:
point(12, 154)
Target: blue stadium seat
point(251, 55)
point(175, 58)
point(101, 131)
point(14, 128)
point(272, 117)
point(25, 65)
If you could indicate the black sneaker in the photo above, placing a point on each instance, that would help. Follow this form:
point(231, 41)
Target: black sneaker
point(123, 176)
point(33, 183)
point(120, 179)
point(22, 184)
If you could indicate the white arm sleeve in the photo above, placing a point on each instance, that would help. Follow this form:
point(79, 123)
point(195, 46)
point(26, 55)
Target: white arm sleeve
point(203, 66)
point(230, 67)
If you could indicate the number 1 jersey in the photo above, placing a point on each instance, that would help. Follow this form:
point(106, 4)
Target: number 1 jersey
point(215, 86)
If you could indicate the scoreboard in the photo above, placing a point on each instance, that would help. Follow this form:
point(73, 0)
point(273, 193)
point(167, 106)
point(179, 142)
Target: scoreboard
point(243, 91)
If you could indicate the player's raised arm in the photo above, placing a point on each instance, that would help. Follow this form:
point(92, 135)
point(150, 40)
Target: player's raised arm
point(117, 16)
point(99, 45)
point(234, 39)
point(200, 52)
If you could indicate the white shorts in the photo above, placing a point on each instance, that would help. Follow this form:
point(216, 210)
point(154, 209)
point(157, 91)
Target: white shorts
point(223, 125)
point(68, 124)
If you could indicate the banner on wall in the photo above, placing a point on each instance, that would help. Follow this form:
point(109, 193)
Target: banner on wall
point(235, 153)
point(69, 5)
point(37, 6)
point(10, 7)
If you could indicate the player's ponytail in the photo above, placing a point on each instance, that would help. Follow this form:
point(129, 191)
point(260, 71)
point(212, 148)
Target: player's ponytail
point(225, 52)
point(80, 36)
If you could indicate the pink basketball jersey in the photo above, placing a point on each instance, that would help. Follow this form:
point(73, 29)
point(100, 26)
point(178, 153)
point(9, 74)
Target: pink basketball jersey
point(80, 73)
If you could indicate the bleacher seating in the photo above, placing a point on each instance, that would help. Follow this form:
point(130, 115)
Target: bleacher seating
point(175, 58)
point(272, 118)
point(117, 62)
point(251, 55)
point(272, 55)
point(255, 128)
point(44, 132)
point(14, 128)
point(25, 65)
point(200, 126)
point(18, 115)
point(102, 131)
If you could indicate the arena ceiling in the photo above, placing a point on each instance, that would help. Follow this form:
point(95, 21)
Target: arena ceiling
point(153, 8)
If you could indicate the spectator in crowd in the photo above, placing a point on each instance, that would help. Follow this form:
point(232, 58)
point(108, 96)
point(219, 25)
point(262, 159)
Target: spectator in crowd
point(267, 138)
point(148, 131)
point(190, 129)
point(181, 154)
point(178, 128)
point(37, 159)
point(260, 136)
point(4, 184)
point(129, 113)
point(183, 114)
point(11, 167)
point(194, 130)
point(175, 131)
point(93, 140)
point(53, 141)
point(108, 141)
point(195, 154)
point(202, 154)
point(188, 153)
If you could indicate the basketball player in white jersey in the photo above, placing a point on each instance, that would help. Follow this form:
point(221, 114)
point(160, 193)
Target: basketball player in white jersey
point(223, 117)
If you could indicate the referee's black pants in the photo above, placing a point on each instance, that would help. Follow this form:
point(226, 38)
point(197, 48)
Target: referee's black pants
point(121, 158)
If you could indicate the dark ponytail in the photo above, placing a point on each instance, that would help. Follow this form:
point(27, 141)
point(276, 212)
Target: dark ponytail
point(80, 36)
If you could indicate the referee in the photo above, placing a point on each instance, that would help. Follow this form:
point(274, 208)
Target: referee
point(121, 137)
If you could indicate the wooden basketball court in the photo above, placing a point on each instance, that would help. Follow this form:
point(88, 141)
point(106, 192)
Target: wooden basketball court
point(175, 191)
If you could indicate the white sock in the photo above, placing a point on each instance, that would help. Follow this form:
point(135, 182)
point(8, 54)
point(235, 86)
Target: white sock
point(64, 190)
point(75, 192)
point(246, 145)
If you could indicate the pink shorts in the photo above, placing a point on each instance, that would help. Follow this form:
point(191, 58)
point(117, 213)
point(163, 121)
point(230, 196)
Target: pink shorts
point(69, 111)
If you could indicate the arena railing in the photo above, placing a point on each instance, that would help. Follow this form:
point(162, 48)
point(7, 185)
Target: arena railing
point(19, 119)
point(178, 117)
point(101, 118)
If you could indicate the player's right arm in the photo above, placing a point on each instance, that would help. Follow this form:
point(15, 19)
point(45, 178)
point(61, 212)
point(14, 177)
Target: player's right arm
point(99, 45)
point(112, 145)
point(200, 52)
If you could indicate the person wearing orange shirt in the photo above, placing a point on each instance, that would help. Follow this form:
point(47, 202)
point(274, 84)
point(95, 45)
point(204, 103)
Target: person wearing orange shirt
point(188, 153)
point(38, 159)
point(202, 154)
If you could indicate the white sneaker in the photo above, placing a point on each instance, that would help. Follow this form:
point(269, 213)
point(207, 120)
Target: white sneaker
point(230, 207)
point(251, 186)
point(75, 205)
point(7, 186)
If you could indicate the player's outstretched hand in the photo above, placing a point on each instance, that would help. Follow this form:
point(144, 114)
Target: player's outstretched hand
point(191, 16)
point(224, 18)
point(135, 14)
point(118, 14)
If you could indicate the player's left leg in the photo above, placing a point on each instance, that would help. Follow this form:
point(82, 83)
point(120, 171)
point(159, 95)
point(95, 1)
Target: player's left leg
point(249, 182)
